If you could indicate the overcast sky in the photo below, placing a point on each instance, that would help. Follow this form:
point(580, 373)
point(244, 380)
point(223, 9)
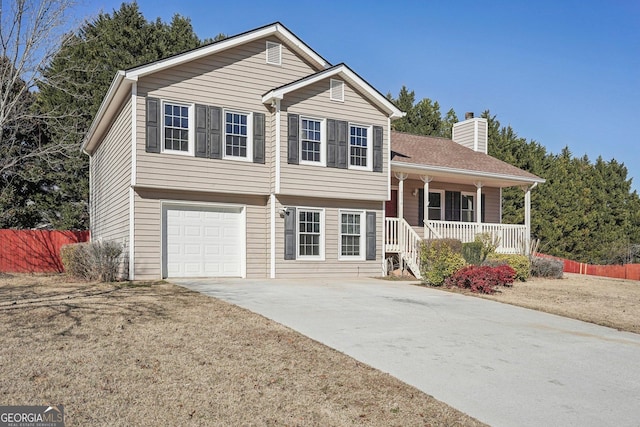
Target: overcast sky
point(562, 73)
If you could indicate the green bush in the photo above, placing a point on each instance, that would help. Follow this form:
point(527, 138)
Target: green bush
point(472, 252)
point(520, 263)
point(439, 259)
point(547, 267)
point(92, 261)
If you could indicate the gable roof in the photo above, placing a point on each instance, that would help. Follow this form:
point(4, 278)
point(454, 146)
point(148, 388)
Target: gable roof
point(121, 85)
point(346, 73)
point(443, 157)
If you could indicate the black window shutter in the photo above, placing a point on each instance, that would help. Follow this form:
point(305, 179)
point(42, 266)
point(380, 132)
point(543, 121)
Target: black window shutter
point(290, 234)
point(332, 144)
point(482, 217)
point(258, 138)
point(377, 149)
point(153, 126)
point(201, 148)
point(293, 142)
point(215, 132)
point(371, 236)
point(342, 144)
point(421, 207)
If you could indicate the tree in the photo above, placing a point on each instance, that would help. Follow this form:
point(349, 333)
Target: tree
point(422, 118)
point(89, 61)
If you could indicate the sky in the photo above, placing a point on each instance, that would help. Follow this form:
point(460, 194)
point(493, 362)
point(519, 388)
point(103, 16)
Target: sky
point(559, 72)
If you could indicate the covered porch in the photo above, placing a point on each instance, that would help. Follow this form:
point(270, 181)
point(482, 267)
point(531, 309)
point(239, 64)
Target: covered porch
point(440, 189)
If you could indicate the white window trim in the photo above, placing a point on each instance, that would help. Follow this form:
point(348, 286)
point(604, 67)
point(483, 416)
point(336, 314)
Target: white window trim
point(269, 46)
point(323, 143)
point(331, 86)
point(473, 205)
point(191, 138)
point(441, 192)
point(321, 256)
point(249, 115)
point(363, 236)
point(369, 166)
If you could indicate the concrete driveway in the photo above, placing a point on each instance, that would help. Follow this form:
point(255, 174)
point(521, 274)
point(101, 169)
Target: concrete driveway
point(504, 365)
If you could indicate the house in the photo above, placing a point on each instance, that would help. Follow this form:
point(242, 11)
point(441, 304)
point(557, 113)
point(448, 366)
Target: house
point(255, 157)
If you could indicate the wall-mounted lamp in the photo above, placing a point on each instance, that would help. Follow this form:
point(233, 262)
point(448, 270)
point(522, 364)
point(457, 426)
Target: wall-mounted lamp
point(415, 192)
point(283, 212)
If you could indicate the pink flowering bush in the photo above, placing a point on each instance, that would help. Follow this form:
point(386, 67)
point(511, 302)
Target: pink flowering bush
point(482, 279)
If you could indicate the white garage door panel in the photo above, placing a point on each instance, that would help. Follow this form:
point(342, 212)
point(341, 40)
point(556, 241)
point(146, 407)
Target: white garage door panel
point(203, 242)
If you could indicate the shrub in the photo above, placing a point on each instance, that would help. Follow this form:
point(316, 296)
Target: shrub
point(439, 259)
point(472, 252)
point(482, 278)
point(520, 263)
point(92, 261)
point(490, 243)
point(546, 267)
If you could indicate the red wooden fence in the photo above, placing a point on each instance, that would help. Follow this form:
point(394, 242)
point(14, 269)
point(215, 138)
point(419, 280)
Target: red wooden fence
point(626, 271)
point(35, 251)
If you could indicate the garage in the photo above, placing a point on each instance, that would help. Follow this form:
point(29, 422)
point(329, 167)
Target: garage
point(203, 241)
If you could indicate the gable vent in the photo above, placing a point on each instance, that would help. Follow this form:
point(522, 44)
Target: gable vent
point(274, 53)
point(337, 90)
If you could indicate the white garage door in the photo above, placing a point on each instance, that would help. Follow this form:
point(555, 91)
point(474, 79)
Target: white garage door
point(203, 241)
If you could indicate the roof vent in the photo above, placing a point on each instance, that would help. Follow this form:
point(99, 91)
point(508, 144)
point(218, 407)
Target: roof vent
point(468, 115)
point(337, 90)
point(274, 53)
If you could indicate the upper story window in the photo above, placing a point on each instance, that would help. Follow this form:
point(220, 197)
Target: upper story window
point(177, 128)
point(360, 147)
point(237, 136)
point(311, 141)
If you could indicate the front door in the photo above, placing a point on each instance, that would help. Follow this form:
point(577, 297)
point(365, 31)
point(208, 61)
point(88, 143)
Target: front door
point(391, 206)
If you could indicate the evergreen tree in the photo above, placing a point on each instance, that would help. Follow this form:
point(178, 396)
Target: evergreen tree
point(89, 61)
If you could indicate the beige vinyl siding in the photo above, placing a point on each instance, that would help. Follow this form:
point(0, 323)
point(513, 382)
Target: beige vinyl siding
point(313, 101)
point(233, 79)
point(110, 172)
point(492, 198)
point(331, 266)
point(464, 134)
point(483, 137)
point(148, 229)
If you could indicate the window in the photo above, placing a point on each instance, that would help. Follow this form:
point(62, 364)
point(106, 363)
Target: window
point(311, 141)
point(176, 129)
point(359, 147)
point(310, 237)
point(237, 131)
point(467, 208)
point(351, 231)
point(435, 206)
point(336, 90)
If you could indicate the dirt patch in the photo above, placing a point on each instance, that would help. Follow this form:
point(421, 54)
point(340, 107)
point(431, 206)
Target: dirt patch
point(604, 301)
point(158, 354)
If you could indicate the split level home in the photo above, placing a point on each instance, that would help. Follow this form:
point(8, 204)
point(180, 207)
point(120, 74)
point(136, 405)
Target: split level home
point(255, 157)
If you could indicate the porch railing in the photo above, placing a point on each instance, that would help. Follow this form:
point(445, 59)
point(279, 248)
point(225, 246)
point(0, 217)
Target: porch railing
point(512, 237)
point(400, 238)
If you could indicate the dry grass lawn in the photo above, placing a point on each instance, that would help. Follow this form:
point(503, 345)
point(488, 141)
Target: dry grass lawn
point(158, 354)
point(608, 302)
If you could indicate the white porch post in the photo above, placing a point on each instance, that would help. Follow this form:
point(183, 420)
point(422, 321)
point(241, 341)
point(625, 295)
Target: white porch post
point(426, 179)
point(401, 176)
point(478, 207)
point(527, 218)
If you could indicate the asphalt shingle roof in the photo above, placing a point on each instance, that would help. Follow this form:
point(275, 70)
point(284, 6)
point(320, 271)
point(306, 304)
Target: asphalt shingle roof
point(445, 153)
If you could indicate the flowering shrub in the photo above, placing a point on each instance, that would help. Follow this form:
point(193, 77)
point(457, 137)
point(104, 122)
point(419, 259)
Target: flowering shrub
point(482, 279)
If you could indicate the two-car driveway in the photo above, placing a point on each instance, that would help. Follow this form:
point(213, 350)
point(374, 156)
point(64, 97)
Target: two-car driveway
point(504, 365)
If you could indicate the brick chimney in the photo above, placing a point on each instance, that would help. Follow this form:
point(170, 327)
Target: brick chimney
point(472, 133)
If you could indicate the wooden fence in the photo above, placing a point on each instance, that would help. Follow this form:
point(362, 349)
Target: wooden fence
point(626, 271)
point(35, 251)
